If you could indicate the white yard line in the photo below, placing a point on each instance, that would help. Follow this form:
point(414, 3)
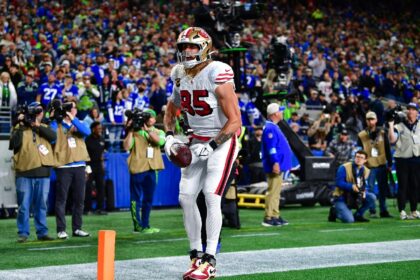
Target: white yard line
point(161, 240)
point(58, 248)
point(237, 263)
point(341, 229)
point(254, 234)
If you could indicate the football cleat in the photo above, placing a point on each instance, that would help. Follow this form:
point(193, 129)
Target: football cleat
point(195, 263)
point(206, 270)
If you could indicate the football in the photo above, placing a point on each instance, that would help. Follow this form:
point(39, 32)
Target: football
point(180, 155)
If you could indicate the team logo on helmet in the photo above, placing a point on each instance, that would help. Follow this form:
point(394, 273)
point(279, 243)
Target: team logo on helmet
point(198, 37)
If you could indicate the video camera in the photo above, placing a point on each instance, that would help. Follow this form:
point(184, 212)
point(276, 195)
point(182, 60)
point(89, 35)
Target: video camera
point(280, 59)
point(59, 109)
point(29, 113)
point(138, 117)
point(396, 115)
point(227, 19)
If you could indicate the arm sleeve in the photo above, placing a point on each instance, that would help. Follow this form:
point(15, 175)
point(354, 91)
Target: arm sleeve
point(270, 139)
point(95, 92)
point(387, 149)
point(220, 74)
point(81, 127)
point(340, 179)
point(16, 140)
point(111, 113)
point(177, 73)
point(47, 133)
point(161, 134)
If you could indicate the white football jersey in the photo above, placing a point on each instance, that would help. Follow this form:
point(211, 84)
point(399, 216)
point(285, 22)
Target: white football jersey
point(198, 98)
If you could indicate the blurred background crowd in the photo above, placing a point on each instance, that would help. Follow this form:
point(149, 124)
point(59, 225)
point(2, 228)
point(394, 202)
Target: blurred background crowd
point(113, 56)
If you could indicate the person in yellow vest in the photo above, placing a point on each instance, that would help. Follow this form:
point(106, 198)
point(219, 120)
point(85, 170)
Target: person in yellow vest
point(350, 192)
point(70, 154)
point(144, 161)
point(406, 137)
point(33, 157)
point(375, 142)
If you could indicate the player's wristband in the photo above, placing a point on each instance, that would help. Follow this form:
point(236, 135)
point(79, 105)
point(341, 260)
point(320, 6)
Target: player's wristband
point(213, 144)
point(169, 133)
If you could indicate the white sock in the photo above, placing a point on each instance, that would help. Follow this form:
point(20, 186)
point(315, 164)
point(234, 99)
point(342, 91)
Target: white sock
point(213, 222)
point(192, 220)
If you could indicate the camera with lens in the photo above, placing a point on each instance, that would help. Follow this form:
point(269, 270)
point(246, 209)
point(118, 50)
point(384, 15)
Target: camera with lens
point(355, 200)
point(59, 109)
point(138, 117)
point(29, 113)
point(396, 115)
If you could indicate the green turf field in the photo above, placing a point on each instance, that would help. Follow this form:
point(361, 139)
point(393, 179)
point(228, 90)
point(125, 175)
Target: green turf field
point(308, 227)
point(385, 271)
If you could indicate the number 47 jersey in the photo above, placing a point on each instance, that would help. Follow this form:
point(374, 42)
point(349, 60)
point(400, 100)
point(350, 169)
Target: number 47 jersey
point(197, 96)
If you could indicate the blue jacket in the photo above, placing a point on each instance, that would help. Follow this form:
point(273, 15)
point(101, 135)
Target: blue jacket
point(275, 148)
point(341, 181)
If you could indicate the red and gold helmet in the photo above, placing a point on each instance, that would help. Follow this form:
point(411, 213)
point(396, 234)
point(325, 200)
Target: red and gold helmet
point(196, 36)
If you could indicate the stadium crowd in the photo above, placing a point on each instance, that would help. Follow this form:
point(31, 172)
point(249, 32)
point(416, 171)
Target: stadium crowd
point(113, 56)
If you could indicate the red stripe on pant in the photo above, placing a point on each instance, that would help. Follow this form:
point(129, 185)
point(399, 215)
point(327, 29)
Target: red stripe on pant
point(227, 168)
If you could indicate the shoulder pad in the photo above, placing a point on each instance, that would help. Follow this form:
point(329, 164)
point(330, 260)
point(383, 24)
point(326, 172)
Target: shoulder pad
point(221, 72)
point(177, 73)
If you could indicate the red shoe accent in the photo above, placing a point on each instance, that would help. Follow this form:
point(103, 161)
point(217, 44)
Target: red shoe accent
point(203, 272)
point(195, 263)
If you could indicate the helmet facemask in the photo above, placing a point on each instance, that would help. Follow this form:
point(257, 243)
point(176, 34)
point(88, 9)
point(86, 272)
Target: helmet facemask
point(198, 37)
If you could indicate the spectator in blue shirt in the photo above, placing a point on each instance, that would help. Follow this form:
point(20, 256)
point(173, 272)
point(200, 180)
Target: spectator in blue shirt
point(69, 92)
point(116, 108)
point(277, 159)
point(48, 91)
point(27, 90)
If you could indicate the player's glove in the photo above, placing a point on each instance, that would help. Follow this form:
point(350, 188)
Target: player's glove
point(169, 141)
point(203, 151)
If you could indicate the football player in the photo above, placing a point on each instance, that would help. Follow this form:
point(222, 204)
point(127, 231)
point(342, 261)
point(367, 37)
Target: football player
point(204, 89)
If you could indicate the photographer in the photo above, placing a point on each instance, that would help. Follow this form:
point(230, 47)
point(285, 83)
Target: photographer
point(71, 155)
point(374, 141)
point(33, 158)
point(143, 141)
point(405, 134)
point(350, 192)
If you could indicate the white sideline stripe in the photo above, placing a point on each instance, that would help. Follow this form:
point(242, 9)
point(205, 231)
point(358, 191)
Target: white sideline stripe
point(254, 234)
point(235, 263)
point(58, 248)
point(417, 225)
point(183, 239)
point(341, 229)
point(160, 240)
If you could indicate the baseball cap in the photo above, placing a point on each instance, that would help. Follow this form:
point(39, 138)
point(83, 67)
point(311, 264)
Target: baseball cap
point(274, 108)
point(34, 104)
point(151, 112)
point(344, 131)
point(413, 105)
point(371, 115)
